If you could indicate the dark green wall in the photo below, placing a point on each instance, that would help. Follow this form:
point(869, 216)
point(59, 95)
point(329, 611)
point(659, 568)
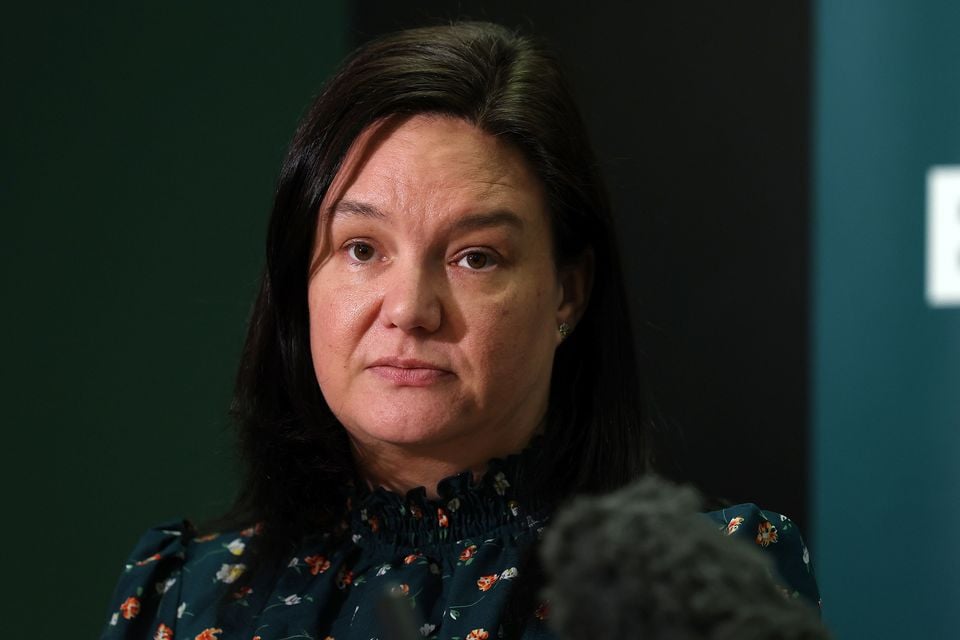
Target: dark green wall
point(886, 365)
point(139, 151)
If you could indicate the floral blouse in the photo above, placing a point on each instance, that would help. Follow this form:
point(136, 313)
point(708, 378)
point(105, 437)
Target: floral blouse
point(454, 561)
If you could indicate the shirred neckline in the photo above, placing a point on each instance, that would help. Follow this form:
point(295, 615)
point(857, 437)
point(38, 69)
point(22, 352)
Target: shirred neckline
point(465, 508)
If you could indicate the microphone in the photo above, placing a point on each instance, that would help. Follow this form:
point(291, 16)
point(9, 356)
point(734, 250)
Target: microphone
point(642, 563)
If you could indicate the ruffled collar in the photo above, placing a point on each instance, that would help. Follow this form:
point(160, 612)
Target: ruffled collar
point(465, 508)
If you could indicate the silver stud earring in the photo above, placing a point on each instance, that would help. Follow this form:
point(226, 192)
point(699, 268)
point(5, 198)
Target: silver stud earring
point(565, 330)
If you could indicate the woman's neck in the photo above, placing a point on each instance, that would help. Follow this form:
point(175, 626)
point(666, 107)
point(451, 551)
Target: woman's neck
point(402, 467)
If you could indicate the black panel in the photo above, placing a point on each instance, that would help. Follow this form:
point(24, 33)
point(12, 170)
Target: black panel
point(701, 117)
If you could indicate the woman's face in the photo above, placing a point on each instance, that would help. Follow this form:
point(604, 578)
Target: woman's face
point(434, 297)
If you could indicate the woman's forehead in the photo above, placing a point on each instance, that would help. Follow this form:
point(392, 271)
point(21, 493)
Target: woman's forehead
point(432, 160)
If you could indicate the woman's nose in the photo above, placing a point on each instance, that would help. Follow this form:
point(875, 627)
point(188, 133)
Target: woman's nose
point(412, 299)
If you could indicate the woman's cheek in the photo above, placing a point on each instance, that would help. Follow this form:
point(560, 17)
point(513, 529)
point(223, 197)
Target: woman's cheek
point(507, 331)
point(356, 306)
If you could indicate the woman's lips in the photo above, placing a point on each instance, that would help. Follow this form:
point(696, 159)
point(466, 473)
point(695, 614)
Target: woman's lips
point(407, 372)
point(412, 377)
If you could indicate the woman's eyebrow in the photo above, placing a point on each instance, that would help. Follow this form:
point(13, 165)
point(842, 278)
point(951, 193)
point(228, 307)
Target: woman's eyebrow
point(471, 221)
point(497, 218)
point(356, 208)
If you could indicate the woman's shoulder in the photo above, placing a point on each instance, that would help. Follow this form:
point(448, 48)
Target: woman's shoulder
point(149, 596)
point(165, 538)
point(151, 571)
point(776, 536)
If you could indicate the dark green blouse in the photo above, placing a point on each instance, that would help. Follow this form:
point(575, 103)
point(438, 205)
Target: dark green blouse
point(454, 560)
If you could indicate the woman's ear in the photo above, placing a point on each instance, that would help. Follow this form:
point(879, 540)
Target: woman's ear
point(576, 282)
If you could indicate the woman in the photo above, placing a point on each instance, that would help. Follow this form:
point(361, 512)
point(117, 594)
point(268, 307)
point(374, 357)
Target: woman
point(439, 354)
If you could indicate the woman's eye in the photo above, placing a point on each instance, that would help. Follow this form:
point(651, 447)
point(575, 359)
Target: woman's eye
point(476, 260)
point(361, 251)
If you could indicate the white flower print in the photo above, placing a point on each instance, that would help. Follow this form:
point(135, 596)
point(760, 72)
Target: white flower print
point(292, 600)
point(509, 574)
point(500, 483)
point(453, 505)
point(230, 572)
point(383, 569)
point(163, 587)
point(806, 555)
point(181, 609)
point(427, 629)
point(293, 563)
point(116, 616)
point(236, 547)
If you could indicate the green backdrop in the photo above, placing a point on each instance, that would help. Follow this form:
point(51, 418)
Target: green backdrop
point(886, 365)
point(139, 151)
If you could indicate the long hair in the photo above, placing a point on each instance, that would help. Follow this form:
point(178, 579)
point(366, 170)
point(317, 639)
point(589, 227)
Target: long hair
point(294, 451)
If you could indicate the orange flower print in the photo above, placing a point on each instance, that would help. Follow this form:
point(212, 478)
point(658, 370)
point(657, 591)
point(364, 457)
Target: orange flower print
point(208, 634)
point(416, 511)
point(255, 530)
point(468, 553)
point(413, 557)
point(130, 608)
point(542, 611)
point(163, 633)
point(317, 564)
point(400, 590)
point(486, 582)
point(374, 523)
point(766, 533)
point(442, 518)
point(257, 638)
point(242, 593)
point(344, 579)
point(207, 538)
point(152, 558)
point(734, 524)
point(478, 634)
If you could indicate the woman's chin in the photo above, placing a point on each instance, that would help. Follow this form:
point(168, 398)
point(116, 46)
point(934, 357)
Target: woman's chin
point(410, 431)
